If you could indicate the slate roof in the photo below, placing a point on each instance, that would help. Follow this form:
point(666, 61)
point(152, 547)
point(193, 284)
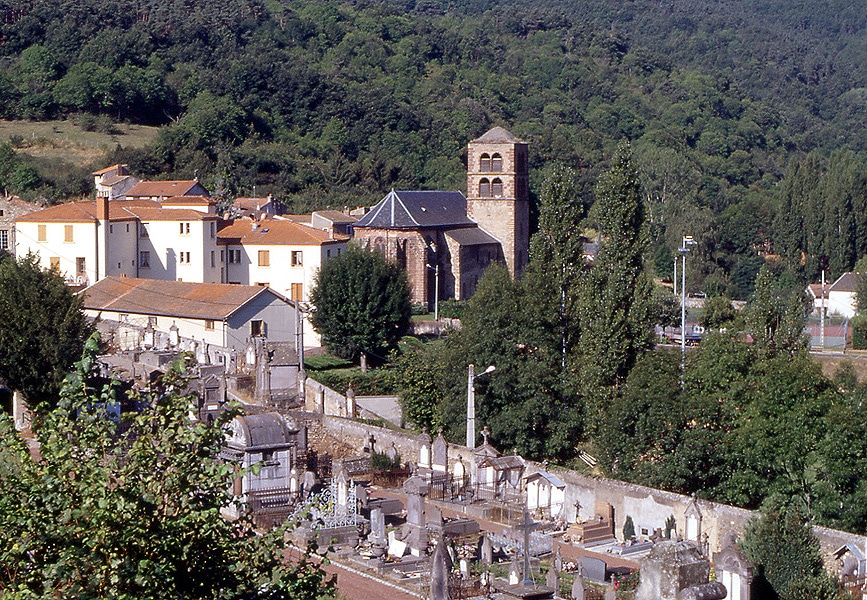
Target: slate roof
point(275, 231)
point(847, 282)
point(213, 301)
point(471, 236)
point(548, 477)
point(414, 209)
point(262, 432)
point(335, 216)
point(498, 135)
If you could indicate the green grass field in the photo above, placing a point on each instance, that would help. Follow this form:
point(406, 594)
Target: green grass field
point(66, 141)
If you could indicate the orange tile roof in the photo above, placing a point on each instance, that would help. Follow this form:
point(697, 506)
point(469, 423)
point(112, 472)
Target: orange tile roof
point(158, 213)
point(122, 168)
point(165, 189)
point(275, 232)
point(189, 201)
point(215, 301)
point(85, 212)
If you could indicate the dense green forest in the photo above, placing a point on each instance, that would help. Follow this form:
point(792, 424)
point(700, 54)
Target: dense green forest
point(329, 103)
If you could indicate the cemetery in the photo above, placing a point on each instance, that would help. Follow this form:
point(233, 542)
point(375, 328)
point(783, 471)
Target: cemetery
point(453, 522)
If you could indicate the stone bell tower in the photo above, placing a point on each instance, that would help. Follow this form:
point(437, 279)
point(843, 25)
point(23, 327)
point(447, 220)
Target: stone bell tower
point(498, 193)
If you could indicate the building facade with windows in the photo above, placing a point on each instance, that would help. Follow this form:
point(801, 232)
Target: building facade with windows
point(213, 314)
point(279, 253)
point(88, 241)
point(11, 208)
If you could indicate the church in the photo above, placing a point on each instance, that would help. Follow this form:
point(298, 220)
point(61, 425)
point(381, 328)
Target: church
point(446, 239)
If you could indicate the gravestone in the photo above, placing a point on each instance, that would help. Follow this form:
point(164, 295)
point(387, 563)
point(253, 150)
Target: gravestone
point(377, 527)
point(396, 547)
point(552, 579)
point(465, 567)
point(593, 568)
point(487, 551)
point(424, 450)
point(391, 452)
point(578, 592)
point(434, 517)
point(440, 451)
point(514, 571)
point(415, 532)
point(673, 568)
point(441, 566)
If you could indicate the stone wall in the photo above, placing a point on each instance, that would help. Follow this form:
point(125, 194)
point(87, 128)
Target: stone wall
point(648, 507)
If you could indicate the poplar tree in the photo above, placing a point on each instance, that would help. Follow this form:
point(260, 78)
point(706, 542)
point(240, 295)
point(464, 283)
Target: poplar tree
point(615, 312)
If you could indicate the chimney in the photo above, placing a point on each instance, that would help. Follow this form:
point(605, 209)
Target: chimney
point(102, 208)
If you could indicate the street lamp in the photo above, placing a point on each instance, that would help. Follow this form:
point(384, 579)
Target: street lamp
point(687, 241)
point(471, 403)
point(436, 270)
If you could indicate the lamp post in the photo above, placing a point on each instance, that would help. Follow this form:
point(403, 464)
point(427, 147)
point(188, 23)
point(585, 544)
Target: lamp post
point(436, 270)
point(687, 241)
point(471, 403)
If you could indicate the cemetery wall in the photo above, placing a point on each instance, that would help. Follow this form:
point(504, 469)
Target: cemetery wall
point(648, 507)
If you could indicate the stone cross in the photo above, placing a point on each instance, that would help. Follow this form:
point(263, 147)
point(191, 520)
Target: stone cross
point(526, 525)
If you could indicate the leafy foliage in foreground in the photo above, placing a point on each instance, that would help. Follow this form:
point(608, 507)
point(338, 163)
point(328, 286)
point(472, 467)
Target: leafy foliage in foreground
point(132, 512)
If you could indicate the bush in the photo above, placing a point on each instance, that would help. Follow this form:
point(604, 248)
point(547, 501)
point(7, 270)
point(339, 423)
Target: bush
point(859, 332)
point(452, 309)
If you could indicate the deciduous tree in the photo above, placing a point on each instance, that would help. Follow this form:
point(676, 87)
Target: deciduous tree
point(133, 511)
point(42, 329)
point(362, 303)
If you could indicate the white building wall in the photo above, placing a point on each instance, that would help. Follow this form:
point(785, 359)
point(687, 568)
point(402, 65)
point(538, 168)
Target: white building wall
point(165, 242)
point(280, 274)
point(83, 245)
point(195, 329)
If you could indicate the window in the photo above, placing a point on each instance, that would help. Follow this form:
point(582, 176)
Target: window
point(209, 325)
point(127, 227)
point(184, 257)
point(213, 258)
point(484, 188)
point(297, 292)
point(264, 258)
point(54, 261)
point(144, 259)
point(80, 265)
point(497, 188)
point(213, 229)
point(222, 255)
point(144, 231)
point(111, 228)
point(152, 321)
point(4, 239)
point(185, 228)
point(41, 236)
point(485, 163)
point(257, 328)
point(328, 253)
point(235, 256)
point(67, 234)
point(496, 163)
point(297, 258)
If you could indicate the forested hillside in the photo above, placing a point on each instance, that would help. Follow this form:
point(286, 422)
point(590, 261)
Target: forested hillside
point(329, 103)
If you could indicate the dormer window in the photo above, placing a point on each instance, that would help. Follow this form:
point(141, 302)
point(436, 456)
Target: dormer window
point(484, 188)
point(485, 163)
point(497, 188)
point(496, 163)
